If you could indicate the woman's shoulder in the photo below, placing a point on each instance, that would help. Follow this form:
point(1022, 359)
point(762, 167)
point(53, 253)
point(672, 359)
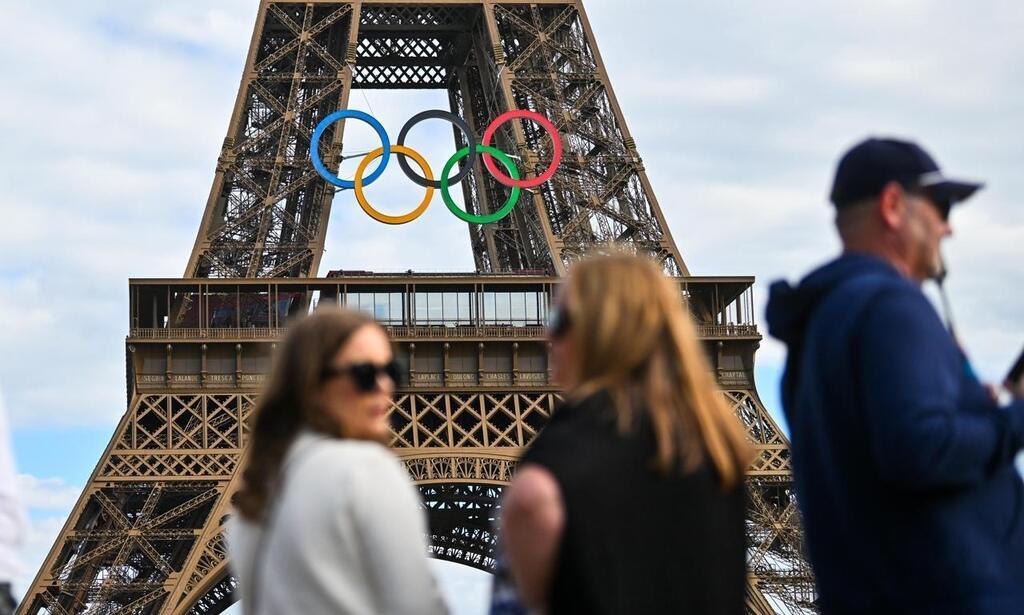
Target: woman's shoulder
point(338, 458)
point(366, 478)
point(591, 410)
point(358, 451)
point(583, 417)
point(352, 449)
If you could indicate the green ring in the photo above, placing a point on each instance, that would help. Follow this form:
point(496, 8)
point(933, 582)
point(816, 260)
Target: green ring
point(466, 216)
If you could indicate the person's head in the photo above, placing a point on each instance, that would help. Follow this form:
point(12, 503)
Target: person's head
point(620, 326)
point(333, 374)
point(893, 201)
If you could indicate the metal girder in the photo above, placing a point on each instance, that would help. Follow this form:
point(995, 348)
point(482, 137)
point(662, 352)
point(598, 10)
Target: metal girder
point(460, 447)
point(267, 209)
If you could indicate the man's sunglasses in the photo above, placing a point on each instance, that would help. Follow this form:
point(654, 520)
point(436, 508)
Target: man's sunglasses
point(364, 375)
point(559, 323)
point(942, 205)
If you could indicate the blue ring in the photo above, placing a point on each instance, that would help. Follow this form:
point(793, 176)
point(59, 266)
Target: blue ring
point(314, 147)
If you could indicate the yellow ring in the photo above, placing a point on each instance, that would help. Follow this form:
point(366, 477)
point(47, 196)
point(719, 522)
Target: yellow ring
point(378, 216)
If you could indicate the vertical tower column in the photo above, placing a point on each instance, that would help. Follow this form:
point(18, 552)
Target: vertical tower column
point(268, 208)
point(548, 62)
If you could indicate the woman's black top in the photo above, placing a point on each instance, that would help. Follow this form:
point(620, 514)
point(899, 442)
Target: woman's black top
point(636, 540)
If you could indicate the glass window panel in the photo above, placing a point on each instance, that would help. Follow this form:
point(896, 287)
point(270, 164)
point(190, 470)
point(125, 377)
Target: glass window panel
point(503, 307)
point(363, 302)
point(422, 314)
point(532, 299)
point(254, 309)
point(465, 315)
point(451, 308)
point(222, 310)
point(381, 308)
point(186, 309)
point(397, 308)
point(290, 303)
point(435, 309)
point(518, 304)
point(490, 313)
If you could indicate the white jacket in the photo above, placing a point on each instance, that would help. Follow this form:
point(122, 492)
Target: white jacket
point(346, 535)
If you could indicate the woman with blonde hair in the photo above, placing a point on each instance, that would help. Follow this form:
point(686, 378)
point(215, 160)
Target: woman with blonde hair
point(631, 499)
point(327, 519)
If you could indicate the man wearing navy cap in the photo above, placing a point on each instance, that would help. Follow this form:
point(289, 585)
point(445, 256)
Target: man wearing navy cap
point(903, 462)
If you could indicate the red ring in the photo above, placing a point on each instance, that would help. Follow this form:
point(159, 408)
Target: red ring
point(551, 130)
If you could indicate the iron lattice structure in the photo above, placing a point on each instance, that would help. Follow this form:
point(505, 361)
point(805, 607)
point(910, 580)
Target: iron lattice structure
point(268, 209)
point(146, 536)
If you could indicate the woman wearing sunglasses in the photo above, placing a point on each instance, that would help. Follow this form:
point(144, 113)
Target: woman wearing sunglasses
point(327, 519)
point(631, 499)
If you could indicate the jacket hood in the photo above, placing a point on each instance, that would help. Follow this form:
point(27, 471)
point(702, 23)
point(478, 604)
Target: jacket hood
point(790, 308)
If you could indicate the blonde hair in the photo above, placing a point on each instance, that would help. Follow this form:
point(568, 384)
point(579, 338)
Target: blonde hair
point(634, 339)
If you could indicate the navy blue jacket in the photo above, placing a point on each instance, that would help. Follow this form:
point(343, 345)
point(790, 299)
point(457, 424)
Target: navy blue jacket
point(903, 466)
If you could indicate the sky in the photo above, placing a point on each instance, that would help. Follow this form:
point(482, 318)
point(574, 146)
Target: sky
point(113, 115)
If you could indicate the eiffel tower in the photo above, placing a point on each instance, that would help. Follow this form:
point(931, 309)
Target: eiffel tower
point(146, 535)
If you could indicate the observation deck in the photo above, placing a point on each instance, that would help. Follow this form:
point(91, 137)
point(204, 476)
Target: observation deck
point(412, 306)
point(474, 332)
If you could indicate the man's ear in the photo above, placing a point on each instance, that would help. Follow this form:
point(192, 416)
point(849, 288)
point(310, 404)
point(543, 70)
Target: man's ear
point(892, 205)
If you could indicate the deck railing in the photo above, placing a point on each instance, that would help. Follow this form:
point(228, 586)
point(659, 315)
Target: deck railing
point(416, 380)
point(406, 332)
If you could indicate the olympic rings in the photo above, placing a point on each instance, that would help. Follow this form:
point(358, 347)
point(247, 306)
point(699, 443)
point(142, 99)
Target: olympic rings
point(505, 210)
point(547, 125)
point(437, 114)
point(471, 151)
point(314, 146)
point(404, 218)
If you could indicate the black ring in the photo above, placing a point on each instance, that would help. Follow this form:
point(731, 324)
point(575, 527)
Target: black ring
point(437, 114)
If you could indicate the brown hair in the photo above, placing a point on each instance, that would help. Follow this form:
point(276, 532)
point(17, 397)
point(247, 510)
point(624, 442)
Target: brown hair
point(288, 402)
point(634, 339)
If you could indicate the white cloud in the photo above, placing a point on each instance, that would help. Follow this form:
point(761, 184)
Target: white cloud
point(205, 27)
point(873, 71)
point(49, 502)
point(47, 494)
point(702, 89)
point(107, 172)
point(20, 319)
point(41, 534)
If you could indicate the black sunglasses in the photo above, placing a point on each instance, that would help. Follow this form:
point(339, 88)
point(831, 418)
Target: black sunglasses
point(364, 375)
point(942, 205)
point(559, 323)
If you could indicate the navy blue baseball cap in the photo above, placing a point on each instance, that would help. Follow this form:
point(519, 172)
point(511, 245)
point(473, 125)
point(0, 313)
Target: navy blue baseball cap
point(870, 165)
